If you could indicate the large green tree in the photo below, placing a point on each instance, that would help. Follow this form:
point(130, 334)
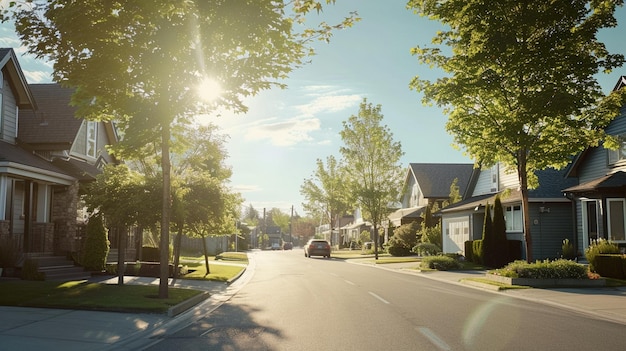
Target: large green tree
point(141, 62)
point(519, 83)
point(374, 174)
point(325, 192)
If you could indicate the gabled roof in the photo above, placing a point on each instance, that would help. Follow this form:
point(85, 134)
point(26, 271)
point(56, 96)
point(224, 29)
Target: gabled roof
point(613, 182)
point(54, 125)
point(11, 67)
point(579, 159)
point(434, 179)
point(551, 185)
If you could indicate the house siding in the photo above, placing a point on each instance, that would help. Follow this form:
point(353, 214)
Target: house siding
point(549, 229)
point(9, 117)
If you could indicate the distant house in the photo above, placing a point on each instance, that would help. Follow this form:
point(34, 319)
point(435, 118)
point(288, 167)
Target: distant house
point(550, 212)
point(45, 154)
point(600, 195)
point(427, 184)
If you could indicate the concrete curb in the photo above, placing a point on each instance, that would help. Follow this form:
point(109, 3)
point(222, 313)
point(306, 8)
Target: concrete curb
point(187, 304)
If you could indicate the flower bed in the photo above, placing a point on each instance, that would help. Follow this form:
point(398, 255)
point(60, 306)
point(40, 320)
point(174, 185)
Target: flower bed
point(544, 274)
point(548, 283)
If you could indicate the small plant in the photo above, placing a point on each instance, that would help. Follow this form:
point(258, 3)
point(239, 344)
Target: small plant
point(568, 250)
point(597, 247)
point(440, 263)
point(10, 253)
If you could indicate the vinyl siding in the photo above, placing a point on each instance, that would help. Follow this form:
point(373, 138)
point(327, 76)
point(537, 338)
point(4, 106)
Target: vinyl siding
point(549, 229)
point(9, 119)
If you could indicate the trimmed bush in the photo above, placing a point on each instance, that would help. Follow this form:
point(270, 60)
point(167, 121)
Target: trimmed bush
point(30, 271)
point(610, 266)
point(440, 263)
point(559, 269)
point(469, 252)
point(96, 245)
point(403, 240)
point(598, 247)
point(426, 249)
point(150, 254)
point(477, 251)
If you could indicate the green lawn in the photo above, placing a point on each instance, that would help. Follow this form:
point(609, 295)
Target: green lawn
point(90, 296)
point(218, 272)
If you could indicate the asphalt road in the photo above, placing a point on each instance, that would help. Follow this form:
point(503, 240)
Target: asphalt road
point(297, 303)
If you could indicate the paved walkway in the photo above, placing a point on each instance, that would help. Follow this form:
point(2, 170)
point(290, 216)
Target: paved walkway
point(28, 329)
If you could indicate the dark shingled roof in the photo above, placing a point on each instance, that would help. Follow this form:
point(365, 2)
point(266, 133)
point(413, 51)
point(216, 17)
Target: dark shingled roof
point(15, 154)
point(434, 179)
point(54, 123)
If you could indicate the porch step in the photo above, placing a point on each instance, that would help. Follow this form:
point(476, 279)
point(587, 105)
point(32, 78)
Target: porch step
point(59, 268)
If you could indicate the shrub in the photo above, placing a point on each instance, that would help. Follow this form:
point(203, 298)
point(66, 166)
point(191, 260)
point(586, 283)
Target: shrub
point(600, 246)
point(432, 235)
point(558, 269)
point(9, 251)
point(440, 263)
point(568, 250)
point(96, 245)
point(150, 254)
point(610, 265)
point(30, 271)
point(426, 249)
point(477, 251)
point(403, 240)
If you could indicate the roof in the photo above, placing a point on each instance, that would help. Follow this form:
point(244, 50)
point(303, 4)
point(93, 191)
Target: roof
point(612, 181)
point(54, 122)
point(80, 170)
point(14, 157)
point(434, 179)
point(412, 212)
point(551, 185)
point(11, 67)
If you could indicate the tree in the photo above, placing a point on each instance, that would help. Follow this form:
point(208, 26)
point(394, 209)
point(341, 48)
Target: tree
point(500, 241)
point(325, 192)
point(143, 63)
point(96, 245)
point(374, 174)
point(251, 216)
point(404, 239)
point(519, 85)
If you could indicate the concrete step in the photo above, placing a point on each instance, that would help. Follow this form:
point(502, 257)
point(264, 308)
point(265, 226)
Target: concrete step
point(59, 268)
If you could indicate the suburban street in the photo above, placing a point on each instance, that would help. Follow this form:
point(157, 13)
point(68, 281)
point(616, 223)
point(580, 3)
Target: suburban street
point(297, 303)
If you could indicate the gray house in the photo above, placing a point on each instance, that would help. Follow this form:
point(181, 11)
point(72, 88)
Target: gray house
point(429, 183)
point(600, 196)
point(550, 212)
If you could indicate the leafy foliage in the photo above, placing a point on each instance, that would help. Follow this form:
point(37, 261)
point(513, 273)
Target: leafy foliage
point(520, 83)
point(96, 245)
point(559, 269)
point(375, 176)
point(403, 240)
point(427, 249)
point(440, 263)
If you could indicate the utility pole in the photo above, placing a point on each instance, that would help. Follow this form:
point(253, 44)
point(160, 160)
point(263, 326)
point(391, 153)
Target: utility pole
point(291, 225)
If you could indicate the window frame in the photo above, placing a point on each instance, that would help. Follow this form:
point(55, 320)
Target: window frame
point(516, 213)
point(610, 223)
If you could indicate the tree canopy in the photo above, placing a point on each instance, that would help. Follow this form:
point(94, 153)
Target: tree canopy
point(520, 80)
point(141, 62)
point(375, 175)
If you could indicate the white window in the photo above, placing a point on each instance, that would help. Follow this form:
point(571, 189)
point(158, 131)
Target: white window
point(494, 178)
point(513, 217)
point(616, 213)
point(91, 138)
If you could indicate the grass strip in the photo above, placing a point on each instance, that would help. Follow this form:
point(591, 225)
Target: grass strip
point(90, 296)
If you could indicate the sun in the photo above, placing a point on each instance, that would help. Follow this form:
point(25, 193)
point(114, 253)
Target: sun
point(209, 90)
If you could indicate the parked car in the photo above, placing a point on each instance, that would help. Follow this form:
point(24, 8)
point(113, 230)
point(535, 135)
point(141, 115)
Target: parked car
point(317, 247)
point(275, 246)
point(288, 245)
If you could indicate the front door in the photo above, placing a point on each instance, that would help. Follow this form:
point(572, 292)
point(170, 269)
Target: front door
point(591, 212)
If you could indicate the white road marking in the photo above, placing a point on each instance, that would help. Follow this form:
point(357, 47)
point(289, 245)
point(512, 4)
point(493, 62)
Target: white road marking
point(433, 338)
point(379, 298)
point(349, 282)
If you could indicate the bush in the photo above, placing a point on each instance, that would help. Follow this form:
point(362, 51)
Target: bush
point(598, 247)
point(403, 240)
point(440, 263)
point(558, 269)
point(30, 271)
point(432, 235)
point(477, 251)
point(610, 265)
point(426, 249)
point(96, 245)
point(568, 250)
point(150, 254)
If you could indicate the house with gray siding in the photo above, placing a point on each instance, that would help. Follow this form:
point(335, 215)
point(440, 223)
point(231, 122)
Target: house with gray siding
point(600, 195)
point(46, 153)
point(550, 212)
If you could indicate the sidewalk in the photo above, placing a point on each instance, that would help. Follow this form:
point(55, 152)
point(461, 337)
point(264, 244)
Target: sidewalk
point(605, 303)
point(27, 329)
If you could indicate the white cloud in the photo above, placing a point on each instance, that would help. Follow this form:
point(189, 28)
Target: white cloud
point(329, 103)
point(284, 133)
point(246, 188)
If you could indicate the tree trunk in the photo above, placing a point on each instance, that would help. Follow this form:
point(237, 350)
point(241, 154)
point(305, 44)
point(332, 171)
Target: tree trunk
point(177, 242)
point(522, 173)
point(121, 254)
point(165, 215)
point(375, 241)
point(206, 255)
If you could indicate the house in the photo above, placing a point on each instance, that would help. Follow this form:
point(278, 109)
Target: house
point(600, 195)
point(46, 153)
point(427, 184)
point(550, 212)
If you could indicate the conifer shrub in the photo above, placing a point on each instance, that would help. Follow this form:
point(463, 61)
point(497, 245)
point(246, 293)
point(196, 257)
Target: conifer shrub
point(96, 246)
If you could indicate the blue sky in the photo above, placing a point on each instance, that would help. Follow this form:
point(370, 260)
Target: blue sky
point(274, 147)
